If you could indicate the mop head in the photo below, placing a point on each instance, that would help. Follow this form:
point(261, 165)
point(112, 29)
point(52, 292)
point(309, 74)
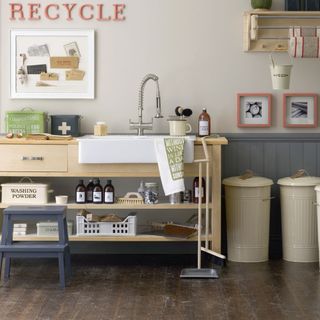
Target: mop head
point(193, 273)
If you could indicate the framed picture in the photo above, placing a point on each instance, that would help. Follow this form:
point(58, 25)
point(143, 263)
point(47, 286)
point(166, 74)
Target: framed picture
point(254, 110)
point(300, 110)
point(52, 64)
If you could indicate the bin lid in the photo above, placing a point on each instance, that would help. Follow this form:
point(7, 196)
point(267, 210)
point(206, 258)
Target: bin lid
point(317, 188)
point(299, 182)
point(251, 182)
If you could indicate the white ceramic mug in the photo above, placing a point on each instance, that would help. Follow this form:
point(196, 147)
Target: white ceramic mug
point(61, 199)
point(179, 127)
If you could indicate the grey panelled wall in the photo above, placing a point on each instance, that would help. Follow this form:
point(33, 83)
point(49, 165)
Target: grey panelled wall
point(273, 156)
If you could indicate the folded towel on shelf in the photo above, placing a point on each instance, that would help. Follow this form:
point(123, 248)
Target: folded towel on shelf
point(170, 157)
point(297, 31)
point(304, 47)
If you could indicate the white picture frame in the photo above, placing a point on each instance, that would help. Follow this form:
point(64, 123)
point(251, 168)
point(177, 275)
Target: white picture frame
point(34, 49)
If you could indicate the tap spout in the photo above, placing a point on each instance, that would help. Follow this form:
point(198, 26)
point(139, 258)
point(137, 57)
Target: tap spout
point(140, 126)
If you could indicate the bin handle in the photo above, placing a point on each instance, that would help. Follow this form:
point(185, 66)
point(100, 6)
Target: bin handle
point(316, 204)
point(300, 173)
point(247, 175)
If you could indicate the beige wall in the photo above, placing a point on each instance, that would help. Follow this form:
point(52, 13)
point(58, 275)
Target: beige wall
point(194, 46)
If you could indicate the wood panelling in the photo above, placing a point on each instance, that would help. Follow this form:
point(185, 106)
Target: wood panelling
point(273, 156)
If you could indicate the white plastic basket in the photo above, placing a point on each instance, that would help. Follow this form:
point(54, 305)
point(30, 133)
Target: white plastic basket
point(128, 227)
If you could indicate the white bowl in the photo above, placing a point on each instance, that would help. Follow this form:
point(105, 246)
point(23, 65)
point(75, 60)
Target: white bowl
point(61, 199)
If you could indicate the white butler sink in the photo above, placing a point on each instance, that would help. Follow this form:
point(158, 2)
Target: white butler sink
point(126, 149)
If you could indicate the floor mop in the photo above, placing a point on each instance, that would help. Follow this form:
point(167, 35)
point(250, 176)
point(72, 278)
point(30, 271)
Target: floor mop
point(199, 272)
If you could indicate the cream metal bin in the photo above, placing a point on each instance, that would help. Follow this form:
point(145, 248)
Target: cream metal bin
point(299, 219)
point(248, 218)
point(317, 188)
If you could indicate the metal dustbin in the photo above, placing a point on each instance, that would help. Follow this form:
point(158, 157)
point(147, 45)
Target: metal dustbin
point(317, 188)
point(248, 218)
point(299, 219)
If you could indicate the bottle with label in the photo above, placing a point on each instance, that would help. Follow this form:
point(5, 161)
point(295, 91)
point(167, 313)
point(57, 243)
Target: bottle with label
point(204, 125)
point(97, 191)
point(89, 191)
point(80, 192)
point(109, 192)
point(196, 190)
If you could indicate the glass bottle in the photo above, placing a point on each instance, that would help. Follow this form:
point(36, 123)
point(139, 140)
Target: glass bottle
point(141, 189)
point(97, 192)
point(109, 192)
point(196, 190)
point(151, 193)
point(89, 191)
point(80, 193)
point(204, 125)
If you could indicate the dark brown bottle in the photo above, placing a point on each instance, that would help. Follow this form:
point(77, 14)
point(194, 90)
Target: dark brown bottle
point(80, 192)
point(97, 191)
point(204, 124)
point(109, 192)
point(89, 192)
point(196, 190)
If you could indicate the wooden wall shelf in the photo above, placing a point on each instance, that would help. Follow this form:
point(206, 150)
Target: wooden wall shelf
point(267, 31)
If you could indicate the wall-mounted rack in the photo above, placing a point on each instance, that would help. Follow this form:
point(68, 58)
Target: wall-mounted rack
point(267, 31)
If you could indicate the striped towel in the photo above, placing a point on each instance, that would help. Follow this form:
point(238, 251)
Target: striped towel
point(304, 47)
point(304, 42)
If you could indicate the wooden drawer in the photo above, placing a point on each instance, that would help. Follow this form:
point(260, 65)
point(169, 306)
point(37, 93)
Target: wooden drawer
point(34, 158)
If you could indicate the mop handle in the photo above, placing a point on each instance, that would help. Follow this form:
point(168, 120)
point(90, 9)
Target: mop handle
point(200, 161)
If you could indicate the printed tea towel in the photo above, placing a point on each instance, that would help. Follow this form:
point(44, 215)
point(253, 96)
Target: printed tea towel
point(170, 154)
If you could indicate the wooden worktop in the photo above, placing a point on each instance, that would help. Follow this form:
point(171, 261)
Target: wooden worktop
point(4, 140)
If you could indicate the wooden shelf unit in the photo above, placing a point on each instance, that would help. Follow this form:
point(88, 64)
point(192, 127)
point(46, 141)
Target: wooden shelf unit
point(13, 151)
point(267, 31)
point(117, 206)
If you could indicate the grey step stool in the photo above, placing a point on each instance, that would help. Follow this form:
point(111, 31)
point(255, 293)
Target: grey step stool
point(40, 249)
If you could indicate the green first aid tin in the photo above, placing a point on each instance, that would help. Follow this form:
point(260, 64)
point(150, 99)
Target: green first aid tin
point(25, 121)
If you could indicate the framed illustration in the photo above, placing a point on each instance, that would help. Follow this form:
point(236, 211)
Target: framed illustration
point(254, 110)
point(52, 64)
point(300, 110)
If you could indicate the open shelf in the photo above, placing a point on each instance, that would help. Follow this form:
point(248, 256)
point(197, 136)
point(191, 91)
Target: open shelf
point(118, 206)
point(137, 238)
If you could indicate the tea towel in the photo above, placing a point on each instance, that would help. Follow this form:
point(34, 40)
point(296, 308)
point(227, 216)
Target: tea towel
point(170, 155)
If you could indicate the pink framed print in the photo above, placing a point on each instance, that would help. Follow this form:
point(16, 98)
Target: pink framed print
point(254, 110)
point(300, 110)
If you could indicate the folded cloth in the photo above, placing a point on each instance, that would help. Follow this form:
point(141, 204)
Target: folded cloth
point(170, 155)
point(304, 47)
point(304, 32)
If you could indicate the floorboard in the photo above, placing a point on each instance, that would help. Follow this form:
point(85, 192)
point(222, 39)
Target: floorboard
point(147, 287)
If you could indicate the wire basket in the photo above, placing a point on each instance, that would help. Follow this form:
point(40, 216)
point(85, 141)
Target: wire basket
point(127, 227)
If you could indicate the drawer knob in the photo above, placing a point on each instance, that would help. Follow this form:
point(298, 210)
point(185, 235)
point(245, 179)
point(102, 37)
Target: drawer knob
point(25, 158)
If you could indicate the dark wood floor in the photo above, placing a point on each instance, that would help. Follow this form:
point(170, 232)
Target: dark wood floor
point(149, 287)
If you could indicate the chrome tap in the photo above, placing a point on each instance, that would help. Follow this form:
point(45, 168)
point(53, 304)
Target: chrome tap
point(140, 126)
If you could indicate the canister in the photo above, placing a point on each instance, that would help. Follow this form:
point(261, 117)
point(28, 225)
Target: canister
point(151, 193)
point(65, 125)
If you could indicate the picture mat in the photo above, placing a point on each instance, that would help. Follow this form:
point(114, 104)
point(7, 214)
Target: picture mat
point(264, 120)
point(55, 40)
point(309, 120)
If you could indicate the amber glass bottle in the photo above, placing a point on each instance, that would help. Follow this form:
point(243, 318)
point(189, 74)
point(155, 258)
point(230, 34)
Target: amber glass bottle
point(196, 190)
point(80, 192)
point(109, 192)
point(97, 192)
point(204, 125)
point(89, 191)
